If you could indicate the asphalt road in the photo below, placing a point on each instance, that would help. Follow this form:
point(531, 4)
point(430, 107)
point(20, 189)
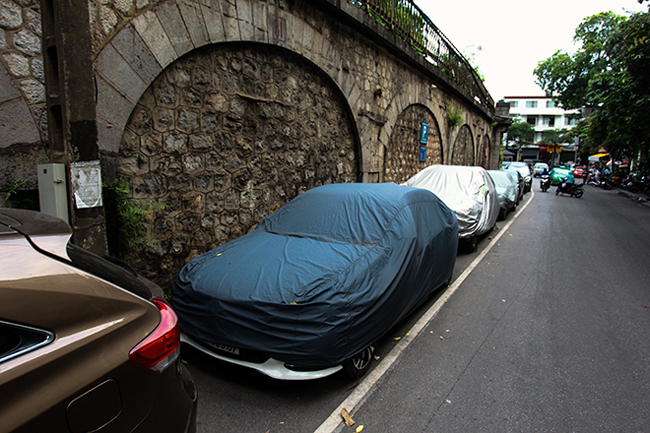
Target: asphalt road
point(548, 333)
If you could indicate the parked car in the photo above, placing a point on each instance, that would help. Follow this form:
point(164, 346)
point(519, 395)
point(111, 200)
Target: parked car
point(524, 169)
point(311, 290)
point(559, 173)
point(85, 345)
point(539, 169)
point(507, 191)
point(469, 192)
point(521, 184)
point(578, 171)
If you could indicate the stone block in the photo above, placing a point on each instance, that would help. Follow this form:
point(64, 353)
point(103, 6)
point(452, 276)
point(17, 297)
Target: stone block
point(168, 15)
point(193, 18)
point(114, 69)
point(136, 53)
point(153, 34)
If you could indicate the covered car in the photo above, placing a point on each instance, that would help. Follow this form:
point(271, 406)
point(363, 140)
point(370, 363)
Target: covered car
point(318, 282)
point(524, 169)
point(507, 190)
point(468, 191)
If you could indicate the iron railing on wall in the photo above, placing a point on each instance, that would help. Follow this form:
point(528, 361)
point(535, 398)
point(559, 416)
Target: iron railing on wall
point(406, 20)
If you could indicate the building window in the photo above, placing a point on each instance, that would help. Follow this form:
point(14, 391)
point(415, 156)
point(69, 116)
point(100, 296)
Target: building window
point(531, 104)
point(550, 104)
point(570, 121)
point(514, 104)
point(532, 120)
point(550, 121)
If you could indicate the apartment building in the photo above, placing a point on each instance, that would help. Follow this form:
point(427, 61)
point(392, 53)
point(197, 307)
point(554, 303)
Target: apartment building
point(543, 115)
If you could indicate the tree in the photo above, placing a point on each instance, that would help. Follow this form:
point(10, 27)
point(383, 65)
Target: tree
point(609, 72)
point(521, 133)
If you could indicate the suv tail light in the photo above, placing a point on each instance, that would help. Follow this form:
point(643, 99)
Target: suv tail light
point(160, 348)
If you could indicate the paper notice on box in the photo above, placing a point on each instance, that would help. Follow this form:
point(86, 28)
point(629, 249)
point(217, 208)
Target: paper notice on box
point(86, 184)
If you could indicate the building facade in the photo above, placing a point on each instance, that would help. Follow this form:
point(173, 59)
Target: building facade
point(542, 113)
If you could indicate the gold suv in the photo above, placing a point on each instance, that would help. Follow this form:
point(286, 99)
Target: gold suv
point(85, 343)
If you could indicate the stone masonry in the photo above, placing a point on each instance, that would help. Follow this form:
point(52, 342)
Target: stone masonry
point(23, 118)
point(224, 137)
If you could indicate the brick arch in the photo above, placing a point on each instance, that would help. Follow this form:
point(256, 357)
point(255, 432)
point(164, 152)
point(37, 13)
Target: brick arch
point(402, 158)
point(463, 149)
point(226, 135)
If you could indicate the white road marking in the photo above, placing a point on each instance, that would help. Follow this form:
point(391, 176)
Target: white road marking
point(363, 390)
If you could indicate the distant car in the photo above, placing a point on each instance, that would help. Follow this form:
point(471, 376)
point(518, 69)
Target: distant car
point(507, 191)
point(469, 192)
point(539, 168)
point(85, 345)
point(578, 171)
point(524, 169)
point(311, 290)
point(505, 164)
point(559, 173)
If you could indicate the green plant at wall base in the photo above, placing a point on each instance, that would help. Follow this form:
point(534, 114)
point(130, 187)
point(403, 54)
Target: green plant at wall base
point(454, 117)
point(131, 214)
point(12, 189)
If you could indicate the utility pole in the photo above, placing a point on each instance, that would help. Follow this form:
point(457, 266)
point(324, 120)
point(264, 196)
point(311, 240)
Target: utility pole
point(70, 98)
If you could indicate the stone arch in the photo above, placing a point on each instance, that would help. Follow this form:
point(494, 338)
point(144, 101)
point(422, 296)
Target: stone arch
point(402, 158)
point(463, 150)
point(153, 39)
point(226, 135)
point(483, 156)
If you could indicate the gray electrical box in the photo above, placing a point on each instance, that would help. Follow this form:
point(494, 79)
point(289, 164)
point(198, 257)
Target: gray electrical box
point(52, 190)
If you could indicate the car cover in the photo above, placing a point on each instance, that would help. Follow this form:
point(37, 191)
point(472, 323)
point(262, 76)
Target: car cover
point(323, 277)
point(468, 191)
point(506, 187)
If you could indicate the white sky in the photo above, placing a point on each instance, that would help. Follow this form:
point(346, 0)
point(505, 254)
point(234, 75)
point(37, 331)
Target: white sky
point(515, 35)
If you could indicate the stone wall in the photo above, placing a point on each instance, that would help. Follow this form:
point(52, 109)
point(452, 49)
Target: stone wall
point(23, 118)
point(224, 137)
point(403, 151)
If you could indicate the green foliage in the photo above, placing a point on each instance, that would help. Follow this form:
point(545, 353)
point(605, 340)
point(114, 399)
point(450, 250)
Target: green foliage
point(20, 198)
point(554, 137)
point(521, 133)
point(455, 117)
point(131, 214)
point(12, 188)
point(609, 72)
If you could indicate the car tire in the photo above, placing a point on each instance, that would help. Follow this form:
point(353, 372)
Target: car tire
point(468, 245)
point(359, 364)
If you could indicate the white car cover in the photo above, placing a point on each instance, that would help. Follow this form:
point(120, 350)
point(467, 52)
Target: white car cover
point(468, 191)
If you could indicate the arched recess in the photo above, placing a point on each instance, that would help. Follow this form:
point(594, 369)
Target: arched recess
point(483, 157)
point(463, 150)
point(403, 151)
point(225, 136)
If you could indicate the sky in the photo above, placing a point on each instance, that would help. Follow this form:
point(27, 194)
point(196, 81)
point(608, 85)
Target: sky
point(515, 36)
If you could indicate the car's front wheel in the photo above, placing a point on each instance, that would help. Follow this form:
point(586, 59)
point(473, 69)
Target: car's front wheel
point(360, 363)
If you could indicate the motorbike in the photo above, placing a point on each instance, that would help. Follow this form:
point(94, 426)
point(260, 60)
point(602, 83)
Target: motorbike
point(545, 182)
point(573, 189)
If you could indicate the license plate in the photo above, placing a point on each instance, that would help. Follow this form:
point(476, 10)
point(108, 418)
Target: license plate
point(222, 347)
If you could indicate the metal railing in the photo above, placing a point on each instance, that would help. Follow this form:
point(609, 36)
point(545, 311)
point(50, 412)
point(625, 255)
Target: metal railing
point(406, 20)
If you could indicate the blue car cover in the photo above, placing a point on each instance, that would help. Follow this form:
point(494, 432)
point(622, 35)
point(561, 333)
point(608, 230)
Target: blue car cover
point(324, 276)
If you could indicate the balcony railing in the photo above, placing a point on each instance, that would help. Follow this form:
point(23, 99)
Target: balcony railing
point(406, 20)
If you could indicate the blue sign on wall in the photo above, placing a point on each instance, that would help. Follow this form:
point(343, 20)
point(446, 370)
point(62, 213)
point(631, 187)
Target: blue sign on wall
point(423, 153)
point(424, 133)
